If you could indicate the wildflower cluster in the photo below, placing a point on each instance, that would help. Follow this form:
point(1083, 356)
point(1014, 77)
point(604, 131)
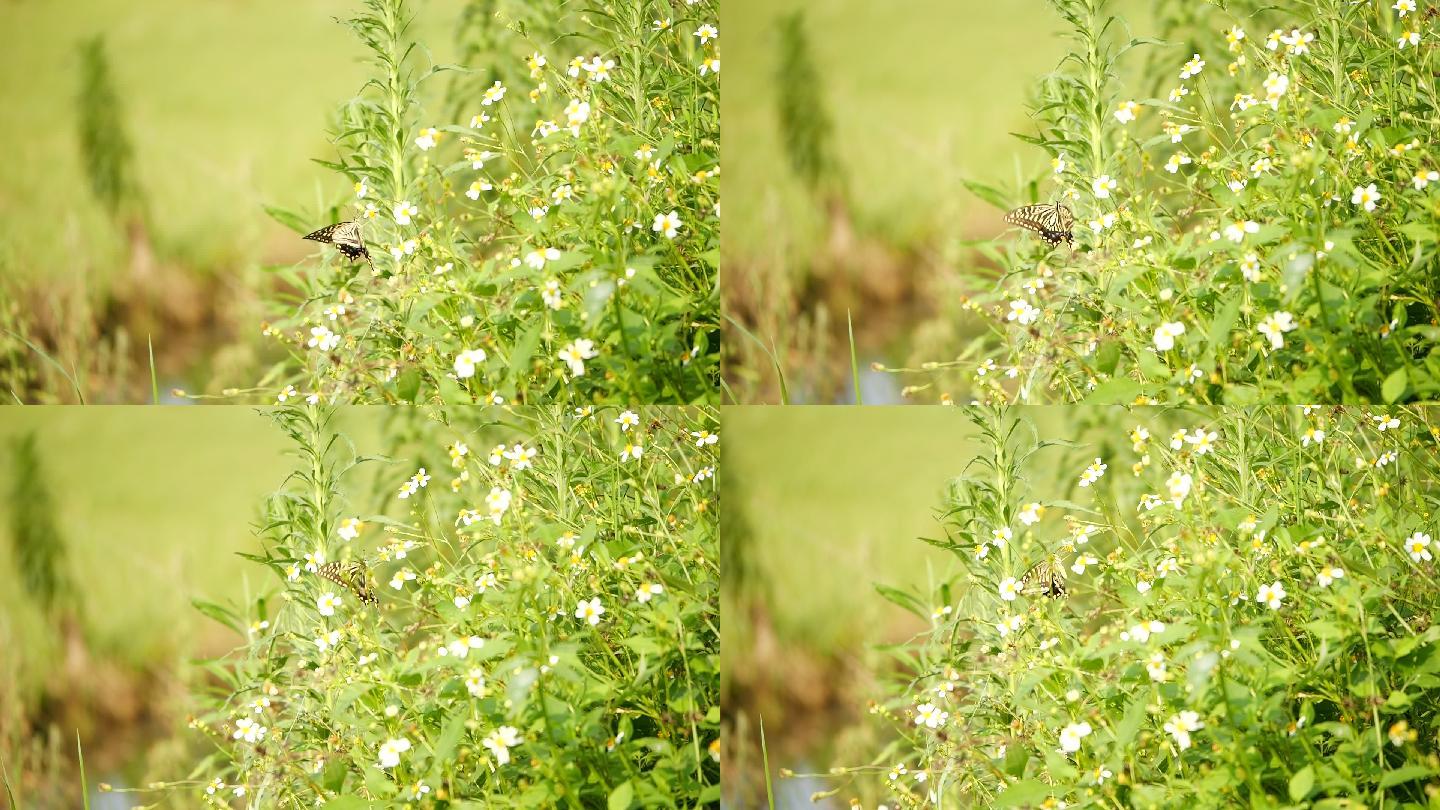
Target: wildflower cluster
point(1254, 224)
point(533, 625)
point(547, 230)
point(1246, 613)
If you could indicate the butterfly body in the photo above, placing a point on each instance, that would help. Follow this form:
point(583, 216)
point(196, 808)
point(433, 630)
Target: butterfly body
point(1052, 221)
point(350, 575)
point(345, 236)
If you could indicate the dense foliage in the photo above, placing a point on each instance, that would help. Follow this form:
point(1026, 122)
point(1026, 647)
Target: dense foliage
point(1255, 211)
point(545, 631)
point(1225, 609)
point(549, 229)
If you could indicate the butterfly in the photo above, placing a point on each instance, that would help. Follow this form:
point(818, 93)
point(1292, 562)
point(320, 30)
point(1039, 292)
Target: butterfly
point(1052, 221)
point(346, 237)
point(350, 575)
point(1048, 576)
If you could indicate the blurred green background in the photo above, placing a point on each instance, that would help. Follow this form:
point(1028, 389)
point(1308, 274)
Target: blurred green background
point(224, 104)
point(147, 507)
point(898, 103)
point(820, 505)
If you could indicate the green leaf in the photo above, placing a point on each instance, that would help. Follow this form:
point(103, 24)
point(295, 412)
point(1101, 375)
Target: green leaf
point(408, 386)
point(1405, 774)
point(1395, 385)
point(904, 600)
point(289, 219)
point(1302, 783)
point(622, 796)
point(218, 613)
point(1115, 392)
point(1026, 791)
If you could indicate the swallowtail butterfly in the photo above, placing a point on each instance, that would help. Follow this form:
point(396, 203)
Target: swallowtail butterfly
point(350, 575)
point(346, 237)
point(1052, 221)
point(1048, 576)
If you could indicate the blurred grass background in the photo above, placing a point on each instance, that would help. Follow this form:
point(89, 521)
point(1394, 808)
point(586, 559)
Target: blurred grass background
point(913, 99)
point(225, 103)
point(148, 507)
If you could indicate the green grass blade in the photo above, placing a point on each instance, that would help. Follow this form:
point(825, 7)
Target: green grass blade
point(80, 395)
point(779, 372)
point(154, 383)
point(5, 779)
point(854, 364)
point(84, 784)
point(765, 763)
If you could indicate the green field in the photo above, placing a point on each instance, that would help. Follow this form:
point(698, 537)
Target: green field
point(921, 95)
point(226, 104)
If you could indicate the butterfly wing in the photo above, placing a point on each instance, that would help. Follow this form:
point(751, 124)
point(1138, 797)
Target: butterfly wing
point(350, 575)
point(345, 236)
point(1051, 220)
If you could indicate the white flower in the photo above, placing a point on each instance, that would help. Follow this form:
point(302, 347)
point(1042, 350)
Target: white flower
point(1030, 514)
point(327, 640)
point(391, 750)
point(1071, 735)
point(648, 591)
point(1193, 67)
point(248, 730)
point(1144, 630)
point(350, 528)
point(1424, 177)
point(466, 361)
point(930, 716)
point(1178, 486)
point(1365, 197)
point(1103, 185)
point(1082, 561)
point(1271, 595)
point(631, 451)
point(1001, 536)
point(1409, 38)
point(427, 139)
point(500, 741)
point(1009, 589)
point(538, 257)
point(1418, 544)
point(1275, 86)
point(1274, 327)
point(401, 577)
point(627, 420)
point(1023, 312)
point(667, 224)
point(591, 611)
point(405, 212)
point(1327, 575)
point(1093, 473)
point(1156, 666)
point(1180, 725)
point(323, 339)
point(1404, 6)
point(475, 682)
point(327, 603)
point(706, 33)
point(1126, 113)
point(1176, 161)
point(1236, 230)
point(1166, 333)
point(576, 353)
point(493, 93)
